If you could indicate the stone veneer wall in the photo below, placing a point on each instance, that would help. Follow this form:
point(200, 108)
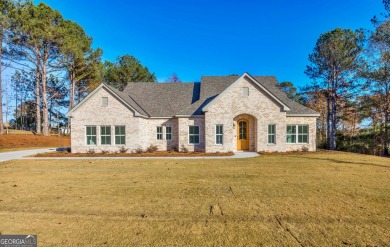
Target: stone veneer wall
point(226, 109)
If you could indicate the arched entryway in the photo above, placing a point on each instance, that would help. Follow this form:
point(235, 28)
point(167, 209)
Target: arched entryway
point(246, 131)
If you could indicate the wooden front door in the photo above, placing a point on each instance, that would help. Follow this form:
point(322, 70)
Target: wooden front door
point(243, 135)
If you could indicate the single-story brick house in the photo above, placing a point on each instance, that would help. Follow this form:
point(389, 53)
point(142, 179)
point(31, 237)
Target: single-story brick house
point(219, 114)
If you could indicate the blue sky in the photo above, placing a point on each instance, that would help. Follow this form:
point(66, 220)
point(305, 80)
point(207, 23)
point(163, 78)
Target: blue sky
point(195, 38)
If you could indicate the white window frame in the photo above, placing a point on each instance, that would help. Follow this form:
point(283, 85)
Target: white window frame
point(86, 135)
point(159, 135)
point(272, 134)
point(119, 135)
point(101, 135)
point(296, 134)
point(104, 101)
point(189, 142)
point(168, 133)
point(218, 134)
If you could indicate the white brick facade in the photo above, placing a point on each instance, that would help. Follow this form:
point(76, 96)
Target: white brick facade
point(258, 108)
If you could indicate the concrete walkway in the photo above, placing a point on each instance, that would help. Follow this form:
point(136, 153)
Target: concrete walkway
point(19, 154)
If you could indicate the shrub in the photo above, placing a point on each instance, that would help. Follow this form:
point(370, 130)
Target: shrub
point(91, 151)
point(105, 151)
point(123, 150)
point(139, 150)
point(305, 149)
point(152, 148)
point(183, 148)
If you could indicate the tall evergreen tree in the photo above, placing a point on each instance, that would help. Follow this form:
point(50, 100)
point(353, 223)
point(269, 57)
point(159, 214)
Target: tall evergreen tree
point(126, 69)
point(79, 59)
point(377, 74)
point(5, 8)
point(35, 43)
point(334, 61)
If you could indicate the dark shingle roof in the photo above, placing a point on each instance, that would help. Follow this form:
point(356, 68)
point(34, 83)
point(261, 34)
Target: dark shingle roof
point(170, 99)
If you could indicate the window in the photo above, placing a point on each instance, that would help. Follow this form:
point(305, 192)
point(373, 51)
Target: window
point(297, 133)
point(271, 134)
point(120, 136)
point(104, 101)
point(193, 134)
point(245, 91)
point(219, 134)
point(91, 135)
point(105, 135)
point(302, 133)
point(168, 133)
point(159, 132)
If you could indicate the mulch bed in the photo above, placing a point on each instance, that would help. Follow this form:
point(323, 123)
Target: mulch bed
point(154, 154)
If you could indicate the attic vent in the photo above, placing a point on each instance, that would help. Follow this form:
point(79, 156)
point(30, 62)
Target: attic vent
point(104, 101)
point(245, 91)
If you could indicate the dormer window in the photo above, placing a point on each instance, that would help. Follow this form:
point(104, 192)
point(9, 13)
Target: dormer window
point(104, 101)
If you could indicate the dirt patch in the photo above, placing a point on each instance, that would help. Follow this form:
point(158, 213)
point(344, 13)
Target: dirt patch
point(31, 141)
point(154, 154)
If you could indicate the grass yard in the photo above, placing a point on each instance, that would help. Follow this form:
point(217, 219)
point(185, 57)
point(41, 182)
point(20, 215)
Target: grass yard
point(312, 199)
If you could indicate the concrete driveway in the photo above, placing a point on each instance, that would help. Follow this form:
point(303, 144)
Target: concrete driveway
point(19, 154)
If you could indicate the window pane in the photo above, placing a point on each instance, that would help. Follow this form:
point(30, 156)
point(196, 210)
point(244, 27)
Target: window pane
point(291, 129)
point(196, 139)
point(219, 139)
point(196, 129)
point(270, 139)
point(88, 130)
point(291, 138)
point(119, 130)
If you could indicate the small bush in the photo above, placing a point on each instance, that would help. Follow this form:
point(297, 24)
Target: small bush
point(183, 149)
point(305, 149)
point(152, 148)
point(138, 150)
point(174, 148)
point(105, 151)
point(91, 151)
point(123, 150)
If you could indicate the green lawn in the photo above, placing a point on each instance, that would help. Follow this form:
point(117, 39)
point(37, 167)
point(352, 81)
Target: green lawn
point(322, 199)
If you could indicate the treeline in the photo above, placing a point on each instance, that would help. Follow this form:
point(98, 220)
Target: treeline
point(350, 72)
point(54, 64)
